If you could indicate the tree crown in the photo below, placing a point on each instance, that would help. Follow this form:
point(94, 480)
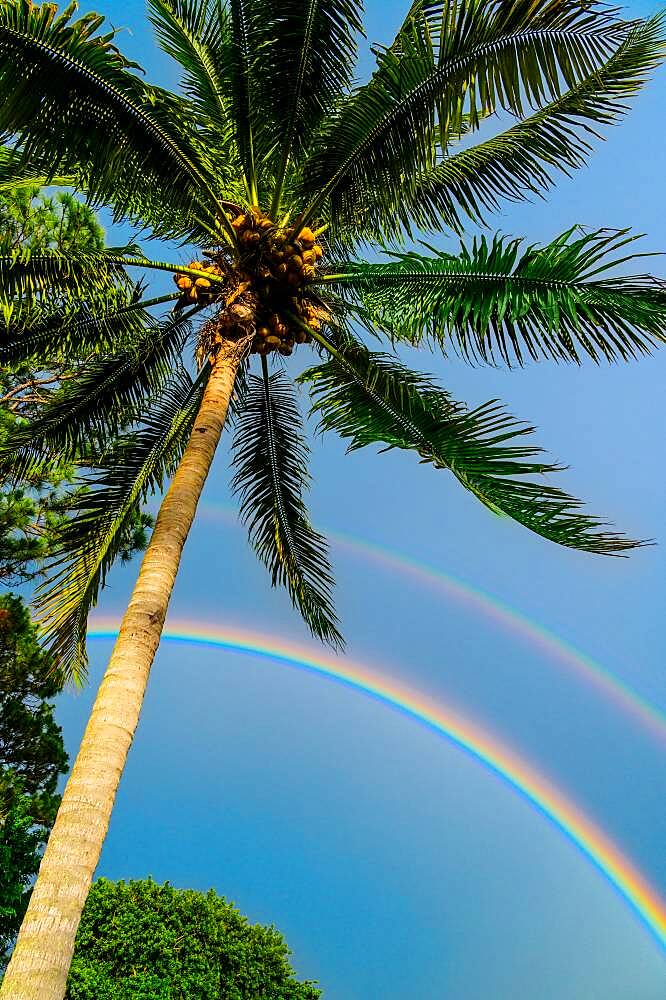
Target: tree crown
point(156, 942)
point(281, 170)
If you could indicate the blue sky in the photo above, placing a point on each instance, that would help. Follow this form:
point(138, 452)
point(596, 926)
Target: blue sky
point(396, 866)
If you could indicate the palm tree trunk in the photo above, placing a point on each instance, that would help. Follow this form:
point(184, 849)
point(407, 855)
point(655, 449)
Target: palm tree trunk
point(43, 953)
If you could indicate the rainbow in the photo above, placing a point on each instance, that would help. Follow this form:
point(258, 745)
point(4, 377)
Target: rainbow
point(467, 736)
point(626, 699)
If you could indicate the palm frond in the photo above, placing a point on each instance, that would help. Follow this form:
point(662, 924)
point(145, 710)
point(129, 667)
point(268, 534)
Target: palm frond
point(308, 67)
point(504, 300)
point(521, 161)
point(94, 534)
point(195, 33)
point(78, 273)
point(244, 48)
point(271, 461)
point(44, 334)
point(15, 173)
point(106, 392)
point(371, 398)
point(55, 274)
point(454, 61)
point(70, 98)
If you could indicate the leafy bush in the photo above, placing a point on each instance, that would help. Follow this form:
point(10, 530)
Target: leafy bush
point(144, 941)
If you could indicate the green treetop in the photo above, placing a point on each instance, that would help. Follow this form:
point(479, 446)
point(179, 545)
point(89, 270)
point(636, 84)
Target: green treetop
point(32, 756)
point(143, 941)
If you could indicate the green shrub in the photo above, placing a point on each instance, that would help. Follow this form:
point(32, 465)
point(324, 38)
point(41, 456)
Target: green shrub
point(144, 941)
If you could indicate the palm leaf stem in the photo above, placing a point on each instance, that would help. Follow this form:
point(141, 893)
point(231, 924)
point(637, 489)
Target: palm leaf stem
point(319, 337)
point(289, 131)
point(228, 229)
point(242, 45)
point(159, 265)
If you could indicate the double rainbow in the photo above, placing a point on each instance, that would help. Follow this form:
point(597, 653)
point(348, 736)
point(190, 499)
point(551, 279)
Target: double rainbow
point(468, 736)
point(648, 717)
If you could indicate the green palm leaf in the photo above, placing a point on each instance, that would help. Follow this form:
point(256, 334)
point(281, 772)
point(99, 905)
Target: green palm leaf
point(271, 460)
point(431, 81)
point(70, 275)
point(70, 97)
point(105, 393)
point(196, 34)
point(44, 335)
point(371, 398)
point(94, 534)
point(308, 68)
point(15, 173)
point(501, 300)
point(521, 161)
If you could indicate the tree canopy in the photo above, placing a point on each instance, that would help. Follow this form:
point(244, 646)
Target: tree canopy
point(153, 942)
point(32, 757)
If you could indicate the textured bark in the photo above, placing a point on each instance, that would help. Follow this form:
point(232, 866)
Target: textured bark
point(43, 953)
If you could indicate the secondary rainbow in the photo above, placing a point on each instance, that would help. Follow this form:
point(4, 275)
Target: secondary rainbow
point(592, 672)
point(468, 736)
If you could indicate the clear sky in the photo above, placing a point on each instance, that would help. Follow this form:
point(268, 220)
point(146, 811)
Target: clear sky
point(396, 866)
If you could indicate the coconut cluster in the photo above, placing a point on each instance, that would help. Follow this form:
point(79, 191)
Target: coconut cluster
point(201, 290)
point(262, 295)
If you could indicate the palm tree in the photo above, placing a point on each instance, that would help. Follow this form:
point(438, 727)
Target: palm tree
point(280, 170)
